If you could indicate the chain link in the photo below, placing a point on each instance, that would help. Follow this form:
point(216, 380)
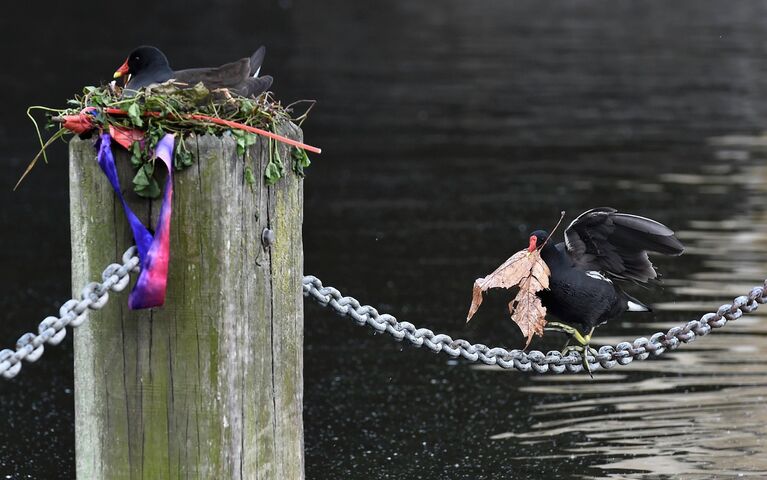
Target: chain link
point(52, 330)
point(116, 278)
point(552, 362)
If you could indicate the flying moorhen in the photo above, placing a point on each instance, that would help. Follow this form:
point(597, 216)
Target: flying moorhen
point(601, 245)
point(147, 66)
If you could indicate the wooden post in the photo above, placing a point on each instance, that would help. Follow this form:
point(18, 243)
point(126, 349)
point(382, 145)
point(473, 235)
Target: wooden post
point(209, 386)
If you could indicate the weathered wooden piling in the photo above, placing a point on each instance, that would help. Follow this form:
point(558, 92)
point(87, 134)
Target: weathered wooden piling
point(210, 385)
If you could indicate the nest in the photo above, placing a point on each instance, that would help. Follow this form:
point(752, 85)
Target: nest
point(178, 109)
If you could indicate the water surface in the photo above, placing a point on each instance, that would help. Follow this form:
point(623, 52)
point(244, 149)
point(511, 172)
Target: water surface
point(450, 130)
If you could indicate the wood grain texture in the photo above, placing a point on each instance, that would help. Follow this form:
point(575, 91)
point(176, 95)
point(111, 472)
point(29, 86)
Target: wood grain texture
point(211, 384)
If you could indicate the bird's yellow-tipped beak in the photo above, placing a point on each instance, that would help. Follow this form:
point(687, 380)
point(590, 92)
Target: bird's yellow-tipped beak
point(122, 70)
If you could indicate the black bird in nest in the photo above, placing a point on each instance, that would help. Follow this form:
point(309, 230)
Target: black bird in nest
point(602, 247)
point(148, 66)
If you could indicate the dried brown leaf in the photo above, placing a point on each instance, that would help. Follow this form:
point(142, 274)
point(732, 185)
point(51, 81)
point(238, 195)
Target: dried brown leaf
point(528, 271)
point(526, 310)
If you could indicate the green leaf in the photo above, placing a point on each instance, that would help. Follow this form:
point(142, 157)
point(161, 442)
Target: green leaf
point(247, 107)
point(151, 191)
point(275, 169)
point(144, 183)
point(136, 158)
point(198, 93)
point(134, 113)
point(154, 132)
point(272, 173)
point(250, 177)
point(277, 159)
point(300, 160)
point(183, 157)
point(244, 140)
point(143, 176)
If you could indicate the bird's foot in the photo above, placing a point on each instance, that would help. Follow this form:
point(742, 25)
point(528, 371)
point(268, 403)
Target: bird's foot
point(584, 347)
point(584, 351)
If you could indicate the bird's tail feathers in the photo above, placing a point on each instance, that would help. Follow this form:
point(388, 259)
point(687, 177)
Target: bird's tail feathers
point(257, 86)
point(635, 305)
point(256, 60)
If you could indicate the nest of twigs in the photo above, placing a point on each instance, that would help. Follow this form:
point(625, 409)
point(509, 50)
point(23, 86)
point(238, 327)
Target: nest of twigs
point(182, 110)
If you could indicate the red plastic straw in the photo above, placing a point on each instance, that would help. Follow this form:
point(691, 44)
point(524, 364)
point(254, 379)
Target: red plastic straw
point(230, 124)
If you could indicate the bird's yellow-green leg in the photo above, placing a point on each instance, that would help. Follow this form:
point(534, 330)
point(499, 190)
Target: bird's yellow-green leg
point(584, 340)
point(573, 332)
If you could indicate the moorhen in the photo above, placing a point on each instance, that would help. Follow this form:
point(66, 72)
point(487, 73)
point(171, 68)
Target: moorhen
point(147, 66)
point(601, 246)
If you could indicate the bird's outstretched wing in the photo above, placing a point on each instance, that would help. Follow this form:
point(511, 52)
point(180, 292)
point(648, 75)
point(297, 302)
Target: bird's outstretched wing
point(606, 240)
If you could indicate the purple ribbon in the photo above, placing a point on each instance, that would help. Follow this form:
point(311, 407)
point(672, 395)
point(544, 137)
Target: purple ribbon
point(153, 250)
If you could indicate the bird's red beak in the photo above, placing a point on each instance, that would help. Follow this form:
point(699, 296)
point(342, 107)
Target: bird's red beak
point(123, 70)
point(533, 244)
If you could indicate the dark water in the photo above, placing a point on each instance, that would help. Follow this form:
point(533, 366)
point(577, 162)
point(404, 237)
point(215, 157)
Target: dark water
point(450, 130)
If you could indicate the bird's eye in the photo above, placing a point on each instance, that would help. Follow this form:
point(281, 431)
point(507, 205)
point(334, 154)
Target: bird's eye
point(136, 57)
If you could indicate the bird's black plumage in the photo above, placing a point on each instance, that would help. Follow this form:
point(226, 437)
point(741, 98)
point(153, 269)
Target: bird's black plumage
point(601, 246)
point(606, 240)
point(148, 65)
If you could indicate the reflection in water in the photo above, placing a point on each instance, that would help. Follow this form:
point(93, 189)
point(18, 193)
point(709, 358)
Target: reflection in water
point(699, 411)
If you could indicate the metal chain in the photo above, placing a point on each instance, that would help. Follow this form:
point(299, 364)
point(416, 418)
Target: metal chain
point(52, 330)
point(551, 362)
point(116, 277)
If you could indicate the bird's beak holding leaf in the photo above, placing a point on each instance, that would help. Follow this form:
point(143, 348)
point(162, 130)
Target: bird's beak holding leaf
point(533, 244)
point(123, 70)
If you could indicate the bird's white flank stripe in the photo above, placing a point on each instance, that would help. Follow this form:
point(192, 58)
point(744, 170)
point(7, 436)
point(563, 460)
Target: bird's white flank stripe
point(598, 276)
